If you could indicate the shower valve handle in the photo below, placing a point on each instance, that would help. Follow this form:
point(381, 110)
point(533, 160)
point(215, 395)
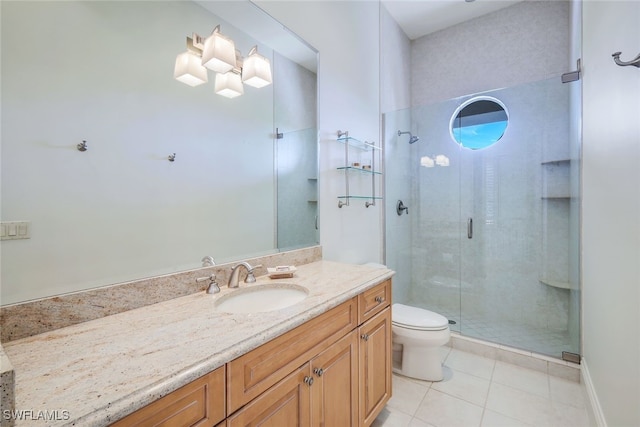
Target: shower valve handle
point(400, 207)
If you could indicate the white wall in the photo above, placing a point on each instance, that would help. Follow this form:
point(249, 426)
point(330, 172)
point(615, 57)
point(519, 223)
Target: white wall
point(611, 209)
point(347, 36)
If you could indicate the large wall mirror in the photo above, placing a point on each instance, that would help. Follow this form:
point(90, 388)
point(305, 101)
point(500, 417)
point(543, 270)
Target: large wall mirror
point(243, 179)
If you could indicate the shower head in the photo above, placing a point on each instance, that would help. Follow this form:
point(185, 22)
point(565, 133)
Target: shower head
point(412, 138)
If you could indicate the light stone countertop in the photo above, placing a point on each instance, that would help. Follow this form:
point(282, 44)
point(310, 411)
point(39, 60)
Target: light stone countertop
point(96, 372)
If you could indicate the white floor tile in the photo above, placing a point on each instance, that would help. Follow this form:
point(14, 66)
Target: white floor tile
point(494, 419)
point(521, 405)
point(390, 417)
point(479, 391)
point(470, 363)
point(464, 386)
point(416, 422)
point(443, 410)
point(566, 391)
point(407, 394)
point(568, 416)
point(521, 378)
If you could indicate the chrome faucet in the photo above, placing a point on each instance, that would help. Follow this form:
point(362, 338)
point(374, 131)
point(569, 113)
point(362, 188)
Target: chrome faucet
point(235, 272)
point(208, 261)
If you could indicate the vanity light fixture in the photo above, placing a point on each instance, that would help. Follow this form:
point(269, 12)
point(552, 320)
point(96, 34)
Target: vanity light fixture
point(218, 53)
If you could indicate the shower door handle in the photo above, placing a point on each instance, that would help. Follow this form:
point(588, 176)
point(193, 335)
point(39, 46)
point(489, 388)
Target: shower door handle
point(470, 228)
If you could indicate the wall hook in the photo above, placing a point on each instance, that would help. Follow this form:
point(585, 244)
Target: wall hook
point(82, 146)
point(172, 157)
point(635, 61)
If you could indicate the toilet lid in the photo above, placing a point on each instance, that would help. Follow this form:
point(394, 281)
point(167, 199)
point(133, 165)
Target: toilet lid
point(417, 318)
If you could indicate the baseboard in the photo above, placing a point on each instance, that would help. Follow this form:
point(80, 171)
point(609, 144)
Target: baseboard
point(594, 408)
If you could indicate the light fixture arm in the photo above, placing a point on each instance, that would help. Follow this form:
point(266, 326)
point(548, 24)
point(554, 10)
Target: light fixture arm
point(195, 44)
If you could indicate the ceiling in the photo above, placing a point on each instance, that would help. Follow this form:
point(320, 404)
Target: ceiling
point(420, 17)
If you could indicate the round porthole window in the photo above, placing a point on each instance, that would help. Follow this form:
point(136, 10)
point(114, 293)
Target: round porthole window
point(479, 123)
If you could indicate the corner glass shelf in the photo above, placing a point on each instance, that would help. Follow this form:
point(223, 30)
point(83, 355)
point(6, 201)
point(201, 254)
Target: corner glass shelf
point(350, 168)
point(360, 197)
point(357, 169)
point(555, 283)
point(556, 162)
point(356, 143)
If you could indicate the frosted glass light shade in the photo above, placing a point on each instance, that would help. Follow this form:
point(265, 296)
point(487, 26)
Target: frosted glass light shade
point(229, 84)
point(189, 70)
point(256, 70)
point(219, 53)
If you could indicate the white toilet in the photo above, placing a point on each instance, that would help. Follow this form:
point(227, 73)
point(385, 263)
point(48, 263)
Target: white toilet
point(418, 335)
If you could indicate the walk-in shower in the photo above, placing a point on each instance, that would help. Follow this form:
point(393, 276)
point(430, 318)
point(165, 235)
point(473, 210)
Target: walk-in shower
point(492, 239)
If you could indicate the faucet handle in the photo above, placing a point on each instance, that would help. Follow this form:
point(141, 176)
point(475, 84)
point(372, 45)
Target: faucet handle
point(213, 287)
point(251, 278)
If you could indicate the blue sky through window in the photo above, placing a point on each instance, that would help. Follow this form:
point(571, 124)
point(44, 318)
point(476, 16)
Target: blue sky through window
point(479, 136)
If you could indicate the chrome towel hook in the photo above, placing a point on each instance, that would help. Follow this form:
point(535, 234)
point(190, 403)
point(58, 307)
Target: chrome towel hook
point(635, 62)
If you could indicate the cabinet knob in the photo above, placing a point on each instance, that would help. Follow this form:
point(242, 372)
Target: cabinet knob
point(365, 337)
point(308, 381)
point(318, 371)
point(379, 300)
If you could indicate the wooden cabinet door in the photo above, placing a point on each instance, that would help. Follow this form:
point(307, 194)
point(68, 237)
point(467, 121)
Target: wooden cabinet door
point(375, 365)
point(334, 392)
point(286, 404)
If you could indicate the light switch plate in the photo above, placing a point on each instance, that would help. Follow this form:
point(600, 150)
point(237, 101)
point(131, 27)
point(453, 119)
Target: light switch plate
point(15, 230)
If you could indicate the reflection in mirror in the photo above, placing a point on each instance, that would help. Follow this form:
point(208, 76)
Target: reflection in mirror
point(102, 72)
point(479, 123)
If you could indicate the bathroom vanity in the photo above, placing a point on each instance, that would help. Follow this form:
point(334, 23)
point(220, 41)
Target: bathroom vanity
point(325, 360)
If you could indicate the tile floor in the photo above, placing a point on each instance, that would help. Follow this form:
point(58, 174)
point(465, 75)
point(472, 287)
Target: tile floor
point(478, 391)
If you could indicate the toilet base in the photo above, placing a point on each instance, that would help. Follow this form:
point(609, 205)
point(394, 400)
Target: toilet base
point(422, 363)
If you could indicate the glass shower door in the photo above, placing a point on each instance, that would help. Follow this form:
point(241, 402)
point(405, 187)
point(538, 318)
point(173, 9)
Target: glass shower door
point(436, 226)
point(515, 202)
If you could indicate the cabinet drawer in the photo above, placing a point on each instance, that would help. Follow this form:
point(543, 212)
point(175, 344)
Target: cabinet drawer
point(199, 403)
point(253, 373)
point(373, 301)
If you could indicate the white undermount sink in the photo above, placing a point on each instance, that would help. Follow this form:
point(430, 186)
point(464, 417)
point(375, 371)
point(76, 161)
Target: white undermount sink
point(260, 298)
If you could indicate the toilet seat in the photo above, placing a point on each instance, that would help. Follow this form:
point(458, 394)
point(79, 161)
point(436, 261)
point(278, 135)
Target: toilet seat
point(417, 319)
